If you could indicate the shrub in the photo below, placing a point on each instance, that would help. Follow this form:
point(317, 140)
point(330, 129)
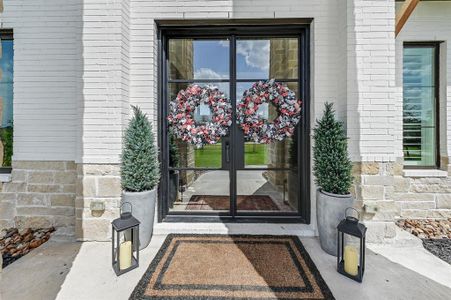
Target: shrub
point(6, 137)
point(140, 170)
point(332, 166)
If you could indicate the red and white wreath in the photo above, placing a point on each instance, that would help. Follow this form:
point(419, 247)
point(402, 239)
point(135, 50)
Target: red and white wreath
point(181, 115)
point(258, 129)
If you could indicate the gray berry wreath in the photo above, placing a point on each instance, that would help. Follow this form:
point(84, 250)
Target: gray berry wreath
point(260, 130)
point(181, 119)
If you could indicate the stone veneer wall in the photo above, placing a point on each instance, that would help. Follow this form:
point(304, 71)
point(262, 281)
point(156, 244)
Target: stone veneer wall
point(423, 197)
point(40, 194)
point(373, 191)
point(78, 200)
point(97, 201)
point(384, 195)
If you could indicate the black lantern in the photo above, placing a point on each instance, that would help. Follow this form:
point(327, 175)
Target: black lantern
point(125, 242)
point(351, 247)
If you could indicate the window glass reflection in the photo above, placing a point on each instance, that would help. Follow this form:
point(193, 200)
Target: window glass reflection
point(199, 191)
point(267, 191)
point(419, 106)
point(198, 59)
point(267, 58)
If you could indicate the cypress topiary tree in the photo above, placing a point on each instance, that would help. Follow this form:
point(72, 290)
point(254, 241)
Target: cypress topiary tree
point(332, 166)
point(140, 170)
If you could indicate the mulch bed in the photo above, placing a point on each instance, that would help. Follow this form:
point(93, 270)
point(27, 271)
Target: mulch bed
point(435, 234)
point(215, 202)
point(427, 228)
point(232, 267)
point(15, 243)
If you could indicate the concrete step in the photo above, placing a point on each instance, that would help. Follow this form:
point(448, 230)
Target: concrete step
point(403, 239)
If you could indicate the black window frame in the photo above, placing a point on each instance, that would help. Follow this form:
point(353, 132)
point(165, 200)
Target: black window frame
point(173, 29)
point(7, 34)
point(436, 46)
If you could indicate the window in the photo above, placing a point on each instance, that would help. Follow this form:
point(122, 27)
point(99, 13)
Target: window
point(6, 100)
point(420, 106)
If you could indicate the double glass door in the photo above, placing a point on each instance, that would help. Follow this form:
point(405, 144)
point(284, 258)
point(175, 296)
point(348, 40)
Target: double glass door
point(235, 177)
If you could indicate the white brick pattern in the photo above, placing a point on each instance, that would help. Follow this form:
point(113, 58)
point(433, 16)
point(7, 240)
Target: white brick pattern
point(371, 80)
point(45, 75)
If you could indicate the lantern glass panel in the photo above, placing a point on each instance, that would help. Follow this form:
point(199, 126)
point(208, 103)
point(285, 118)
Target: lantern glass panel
point(351, 251)
point(125, 249)
point(351, 254)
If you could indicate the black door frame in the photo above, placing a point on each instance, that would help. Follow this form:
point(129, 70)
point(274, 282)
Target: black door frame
point(165, 32)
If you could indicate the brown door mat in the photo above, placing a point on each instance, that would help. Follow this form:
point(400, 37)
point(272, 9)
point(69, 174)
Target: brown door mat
point(232, 267)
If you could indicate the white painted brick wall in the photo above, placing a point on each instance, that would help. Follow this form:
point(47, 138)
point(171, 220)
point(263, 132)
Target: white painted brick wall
point(45, 72)
point(105, 90)
point(431, 21)
point(104, 52)
point(371, 94)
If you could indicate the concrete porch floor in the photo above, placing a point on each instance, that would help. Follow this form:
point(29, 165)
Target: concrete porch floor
point(68, 270)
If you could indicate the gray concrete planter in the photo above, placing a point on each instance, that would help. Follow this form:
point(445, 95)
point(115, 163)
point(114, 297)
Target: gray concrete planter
point(143, 204)
point(330, 210)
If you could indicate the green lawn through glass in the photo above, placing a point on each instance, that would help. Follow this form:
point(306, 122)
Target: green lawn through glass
point(210, 155)
point(255, 154)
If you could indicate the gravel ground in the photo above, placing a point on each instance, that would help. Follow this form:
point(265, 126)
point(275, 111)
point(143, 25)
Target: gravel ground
point(439, 247)
point(435, 234)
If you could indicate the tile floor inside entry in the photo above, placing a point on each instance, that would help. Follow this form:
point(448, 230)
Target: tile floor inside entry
point(82, 271)
point(211, 191)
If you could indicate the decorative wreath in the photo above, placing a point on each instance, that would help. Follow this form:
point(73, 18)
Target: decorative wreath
point(181, 119)
point(259, 129)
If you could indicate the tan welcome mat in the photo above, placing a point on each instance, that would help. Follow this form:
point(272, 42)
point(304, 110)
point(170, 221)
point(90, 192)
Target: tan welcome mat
point(232, 267)
point(216, 202)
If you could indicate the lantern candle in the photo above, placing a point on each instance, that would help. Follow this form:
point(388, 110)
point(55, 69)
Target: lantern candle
point(125, 255)
point(351, 260)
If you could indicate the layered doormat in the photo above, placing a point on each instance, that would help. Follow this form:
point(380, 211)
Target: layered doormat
point(215, 202)
point(232, 267)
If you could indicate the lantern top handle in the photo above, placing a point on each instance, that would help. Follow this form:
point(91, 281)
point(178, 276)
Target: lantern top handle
point(131, 207)
point(351, 218)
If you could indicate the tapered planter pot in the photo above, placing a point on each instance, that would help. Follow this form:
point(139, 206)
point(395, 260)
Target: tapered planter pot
point(330, 209)
point(143, 204)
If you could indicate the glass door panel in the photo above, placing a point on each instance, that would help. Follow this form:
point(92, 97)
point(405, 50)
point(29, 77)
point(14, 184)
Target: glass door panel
point(267, 191)
point(265, 58)
point(201, 191)
point(198, 59)
point(199, 182)
point(236, 176)
point(267, 178)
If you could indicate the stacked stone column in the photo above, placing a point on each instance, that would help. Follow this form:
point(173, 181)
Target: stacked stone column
point(371, 113)
point(97, 201)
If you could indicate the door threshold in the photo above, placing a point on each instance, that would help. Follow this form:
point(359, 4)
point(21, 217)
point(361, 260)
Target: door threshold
point(306, 230)
point(188, 218)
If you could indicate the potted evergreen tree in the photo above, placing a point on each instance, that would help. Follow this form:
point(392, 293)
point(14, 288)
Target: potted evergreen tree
point(333, 176)
point(140, 172)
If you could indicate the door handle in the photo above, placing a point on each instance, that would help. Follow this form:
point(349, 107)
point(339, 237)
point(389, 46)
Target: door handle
point(227, 150)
